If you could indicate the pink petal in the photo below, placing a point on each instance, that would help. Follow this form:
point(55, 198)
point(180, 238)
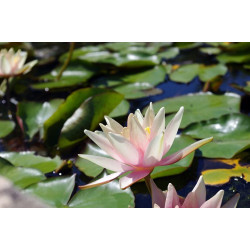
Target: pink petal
point(171, 130)
point(158, 123)
point(190, 201)
point(125, 149)
point(101, 181)
point(172, 199)
point(107, 163)
point(149, 116)
point(200, 191)
point(215, 201)
point(184, 152)
point(128, 180)
point(232, 203)
point(158, 197)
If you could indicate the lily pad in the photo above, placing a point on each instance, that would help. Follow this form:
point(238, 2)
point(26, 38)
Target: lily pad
point(187, 45)
point(180, 142)
point(122, 45)
point(210, 50)
point(169, 53)
point(106, 196)
point(231, 135)
point(28, 159)
point(87, 116)
point(221, 176)
point(200, 107)
point(233, 58)
point(6, 127)
point(120, 110)
point(55, 192)
point(34, 114)
point(53, 126)
point(208, 73)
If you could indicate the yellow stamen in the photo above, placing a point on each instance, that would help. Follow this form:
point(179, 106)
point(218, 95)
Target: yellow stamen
point(148, 131)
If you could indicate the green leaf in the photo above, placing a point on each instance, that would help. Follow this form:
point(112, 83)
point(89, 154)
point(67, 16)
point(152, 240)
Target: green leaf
point(87, 116)
point(55, 192)
point(106, 196)
point(6, 127)
point(231, 135)
point(34, 114)
point(87, 167)
point(53, 126)
point(210, 50)
point(120, 110)
point(200, 107)
point(169, 53)
point(28, 159)
point(180, 142)
point(208, 73)
point(137, 90)
point(185, 73)
point(187, 45)
point(118, 46)
point(233, 58)
point(72, 76)
point(21, 177)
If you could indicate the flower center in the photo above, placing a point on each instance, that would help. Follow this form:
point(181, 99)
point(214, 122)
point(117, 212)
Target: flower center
point(148, 131)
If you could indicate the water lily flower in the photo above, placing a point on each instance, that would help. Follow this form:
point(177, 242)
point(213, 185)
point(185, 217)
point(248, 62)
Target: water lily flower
point(12, 64)
point(195, 199)
point(138, 148)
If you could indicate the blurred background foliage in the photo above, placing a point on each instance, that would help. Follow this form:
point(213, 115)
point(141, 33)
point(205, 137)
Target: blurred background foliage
point(75, 84)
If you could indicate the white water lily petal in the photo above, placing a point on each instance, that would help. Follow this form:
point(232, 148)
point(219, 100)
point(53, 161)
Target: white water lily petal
point(158, 123)
point(172, 198)
point(100, 139)
point(124, 148)
point(102, 181)
point(107, 163)
point(171, 130)
point(139, 116)
point(149, 116)
point(114, 125)
point(215, 201)
point(128, 180)
point(28, 66)
point(232, 203)
point(154, 151)
point(184, 152)
point(200, 191)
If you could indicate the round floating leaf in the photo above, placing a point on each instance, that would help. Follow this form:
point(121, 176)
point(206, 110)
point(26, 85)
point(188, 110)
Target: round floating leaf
point(120, 110)
point(169, 53)
point(34, 114)
point(180, 142)
point(53, 126)
point(54, 191)
point(187, 45)
point(87, 116)
point(122, 45)
point(30, 160)
point(200, 107)
point(233, 58)
point(185, 73)
point(106, 196)
point(231, 135)
point(221, 176)
point(210, 50)
point(6, 127)
point(208, 73)
point(21, 177)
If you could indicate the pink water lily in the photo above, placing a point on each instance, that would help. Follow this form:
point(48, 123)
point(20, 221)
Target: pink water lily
point(138, 148)
point(195, 199)
point(12, 64)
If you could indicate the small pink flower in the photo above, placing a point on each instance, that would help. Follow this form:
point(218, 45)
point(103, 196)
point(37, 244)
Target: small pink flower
point(12, 64)
point(138, 148)
point(195, 199)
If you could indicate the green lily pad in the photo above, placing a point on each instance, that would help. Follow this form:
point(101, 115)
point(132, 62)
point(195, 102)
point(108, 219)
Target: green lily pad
point(231, 134)
point(187, 45)
point(169, 53)
point(200, 107)
point(120, 110)
point(118, 46)
point(53, 126)
point(210, 50)
point(208, 73)
point(28, 159)
point(6, 127)
point(73, 75)
point(105, 196)
point(185, 73)
point(21, 177)
point(34, 114)
point(55, 192)
point(180, 142)
point(87, 116)
point(234, 58)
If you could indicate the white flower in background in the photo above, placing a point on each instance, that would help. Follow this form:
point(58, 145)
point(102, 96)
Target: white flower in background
point(138, 148)
point(13, 64)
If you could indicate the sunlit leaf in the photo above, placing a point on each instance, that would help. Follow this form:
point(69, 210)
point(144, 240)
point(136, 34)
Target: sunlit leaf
point(120, 110)
point(6, 127)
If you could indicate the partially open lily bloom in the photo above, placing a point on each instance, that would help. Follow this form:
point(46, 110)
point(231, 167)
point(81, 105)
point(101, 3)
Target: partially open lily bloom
point(195, 199)
point(12, 64)
point(138, 148)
